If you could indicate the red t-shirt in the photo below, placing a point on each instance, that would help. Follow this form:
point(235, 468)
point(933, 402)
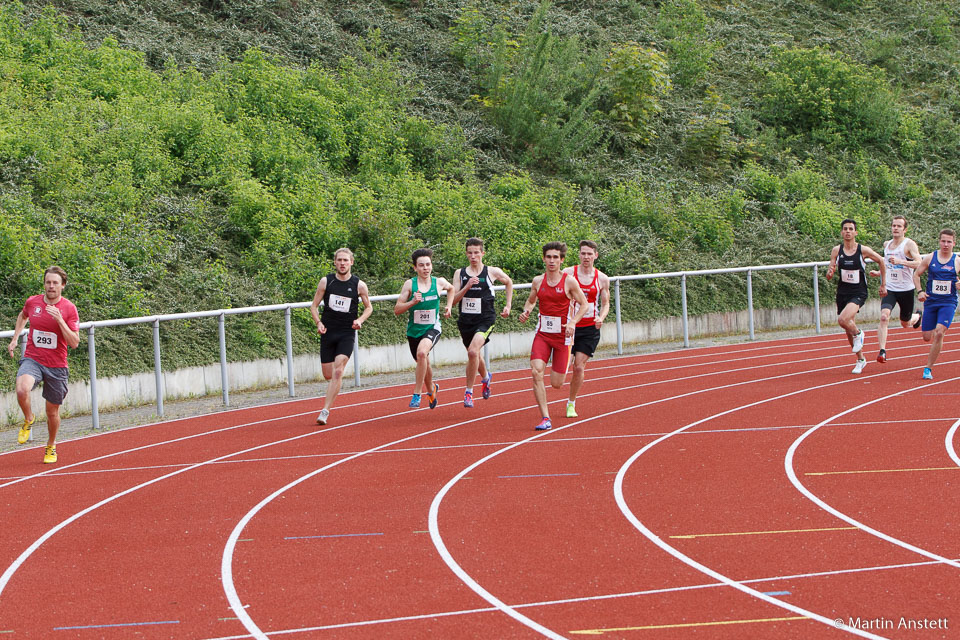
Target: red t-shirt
point(554, 308)
point(45, 342)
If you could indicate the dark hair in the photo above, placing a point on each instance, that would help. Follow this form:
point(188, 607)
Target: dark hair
point(421, 253)
point(57, 270)
point(556, 246)
point(474, 242)
point(591, 244)
point(949, 232)
point(900, 217)
point(850, 220)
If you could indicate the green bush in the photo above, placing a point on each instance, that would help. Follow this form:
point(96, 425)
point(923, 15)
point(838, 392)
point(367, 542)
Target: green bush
point(829, 97)
point(636, 81)
point(818, 219)
point(683, 25)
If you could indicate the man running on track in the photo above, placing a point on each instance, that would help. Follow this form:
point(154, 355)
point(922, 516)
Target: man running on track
point(555, 328)
point(420, 296)
point(473, 290)
point(54, 326)
point(340, 292)
point(901, 256)
point(595, 284)
point(848, 257)
point(940, 296)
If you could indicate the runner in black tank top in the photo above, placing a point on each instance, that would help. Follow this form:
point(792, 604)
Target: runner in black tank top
point(473, 292)
point(340, 293)
point(848, 258)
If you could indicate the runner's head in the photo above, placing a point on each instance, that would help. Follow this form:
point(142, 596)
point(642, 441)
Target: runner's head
point(422, 260)
point(848, 229)
point(898, 226)
point(553, 255)
point(54, 280)
point(343, 260)
point(588, 253)
point(475, 251)
point(948, 238)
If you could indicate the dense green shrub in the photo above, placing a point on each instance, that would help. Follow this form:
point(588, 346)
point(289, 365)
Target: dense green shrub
point(829, 96)
point(683, 26)
point(636, 80)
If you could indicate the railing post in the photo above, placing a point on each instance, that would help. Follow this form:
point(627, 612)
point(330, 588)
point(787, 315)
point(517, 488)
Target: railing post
point(289, 332)
point(356, 358)
point(750, 300)
point(224, 375)
point(616, 304)
point(92, 351)
point(157, 371)
point(816, 298)
point(683, 298)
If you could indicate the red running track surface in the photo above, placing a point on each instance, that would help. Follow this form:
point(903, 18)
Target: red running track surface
point(750, 491)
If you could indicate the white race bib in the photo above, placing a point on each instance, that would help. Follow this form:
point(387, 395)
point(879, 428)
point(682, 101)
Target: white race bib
point(591, 310)
point(550, 324)
point(470, 305)
point(941, 287)
point(44, 339)
point(895, 274)
point(850, 276)
point(424, 316)
point(339, 303)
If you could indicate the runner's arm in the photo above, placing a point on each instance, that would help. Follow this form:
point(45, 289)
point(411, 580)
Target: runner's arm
point(877, 258)
point(317, 299)
point(531, 299)
point(833, 262)
point(15, 340)
point(404, 303)
point(575, 293)
point(912, 251)
point(367, 307)
point(924, 265)
point(604, 298)
point(458, 292)
point(500, 275)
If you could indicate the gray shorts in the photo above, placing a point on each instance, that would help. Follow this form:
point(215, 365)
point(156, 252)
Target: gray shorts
point(54, 379)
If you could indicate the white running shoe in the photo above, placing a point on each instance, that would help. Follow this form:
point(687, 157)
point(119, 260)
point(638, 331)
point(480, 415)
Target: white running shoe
point(858, 342)
point(323, 417)
point(860, 365)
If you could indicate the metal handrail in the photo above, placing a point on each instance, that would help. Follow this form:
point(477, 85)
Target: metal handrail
point(220, 314)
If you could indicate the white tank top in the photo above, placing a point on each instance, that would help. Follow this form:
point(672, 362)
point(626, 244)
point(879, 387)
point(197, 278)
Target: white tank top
point(899, 277)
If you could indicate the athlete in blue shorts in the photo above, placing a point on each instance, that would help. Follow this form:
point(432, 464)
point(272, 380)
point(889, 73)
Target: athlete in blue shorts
point(940, 297)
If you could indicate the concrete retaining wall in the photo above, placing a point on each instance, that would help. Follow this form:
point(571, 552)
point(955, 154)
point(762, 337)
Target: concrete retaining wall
point(198, 381)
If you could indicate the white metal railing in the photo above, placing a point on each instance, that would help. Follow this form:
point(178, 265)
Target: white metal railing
point(221, 314)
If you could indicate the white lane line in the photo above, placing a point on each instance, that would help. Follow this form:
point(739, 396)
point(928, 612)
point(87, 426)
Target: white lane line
point(227, 557)
point(597, 598)
point(650, 535)
point(447, 557)
point(788, 464)
point(951, 450)
point(18, 562)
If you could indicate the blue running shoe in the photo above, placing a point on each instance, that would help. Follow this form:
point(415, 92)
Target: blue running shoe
point(468, 399)
point(927, 373)
point(415, 401)
point(486, 386)
point(544, 425)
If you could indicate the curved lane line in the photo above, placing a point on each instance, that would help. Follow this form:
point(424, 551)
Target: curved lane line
point(791, 474)
point(227, 557)
point(951, 451)
point(510, 611)
point(625, 509)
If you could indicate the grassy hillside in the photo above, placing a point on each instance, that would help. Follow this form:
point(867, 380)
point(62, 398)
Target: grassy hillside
point(191, 155)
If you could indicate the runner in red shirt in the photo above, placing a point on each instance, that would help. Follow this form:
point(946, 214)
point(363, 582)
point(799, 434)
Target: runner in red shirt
point(596, 287)
point(54, 326)
point(555, 328)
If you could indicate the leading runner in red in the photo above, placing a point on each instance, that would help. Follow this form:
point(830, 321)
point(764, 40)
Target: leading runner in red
point(54, 326)
point(554, 290)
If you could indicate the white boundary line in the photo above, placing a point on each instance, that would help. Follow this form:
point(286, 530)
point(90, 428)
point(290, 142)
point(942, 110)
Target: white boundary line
point(951, 451)
point(791, 474)
point(227, 557)
point(510, 611)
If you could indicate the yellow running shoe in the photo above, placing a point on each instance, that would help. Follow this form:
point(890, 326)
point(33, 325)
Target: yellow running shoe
point(24, 434)
point(571, 410)
point(50, 455)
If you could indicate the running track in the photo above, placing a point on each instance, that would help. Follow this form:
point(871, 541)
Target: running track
point(750, 491)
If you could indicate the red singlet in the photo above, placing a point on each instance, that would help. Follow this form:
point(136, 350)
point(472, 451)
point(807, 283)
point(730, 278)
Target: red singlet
point(554, 308)
point(592, 291)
